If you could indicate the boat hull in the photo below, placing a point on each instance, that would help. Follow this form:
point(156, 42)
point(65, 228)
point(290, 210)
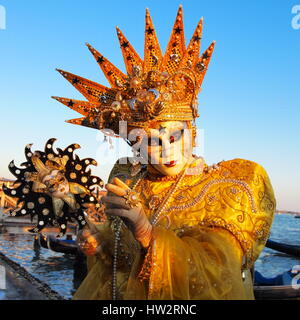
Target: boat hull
point(285, 292)
point(58, 245)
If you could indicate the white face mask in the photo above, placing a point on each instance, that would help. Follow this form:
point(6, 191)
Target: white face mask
point(168, 147)
point(57, 184)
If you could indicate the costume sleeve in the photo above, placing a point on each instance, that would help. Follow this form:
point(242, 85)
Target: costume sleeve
point(263, 216)
point(206, 260)
point(249, 206)
point(202, 265)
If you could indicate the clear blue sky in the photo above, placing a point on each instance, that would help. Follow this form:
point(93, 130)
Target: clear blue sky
point(249, 102)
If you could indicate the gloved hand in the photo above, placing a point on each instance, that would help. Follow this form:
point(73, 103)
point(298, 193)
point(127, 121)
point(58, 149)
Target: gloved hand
point(89, 239)
point(118, 205)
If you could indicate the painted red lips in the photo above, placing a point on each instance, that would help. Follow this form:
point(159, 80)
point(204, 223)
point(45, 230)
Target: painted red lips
point(171, 164)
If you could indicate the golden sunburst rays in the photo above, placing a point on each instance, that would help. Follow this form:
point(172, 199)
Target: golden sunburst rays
point(192, 52)
point(79, 122)
point(176, 46)
point(97, 95)
point(130, 56)
point(152, 51)
point(177, 60)
point(82, 107)
point(91, 90)
point(202, 65)
point(115, 77)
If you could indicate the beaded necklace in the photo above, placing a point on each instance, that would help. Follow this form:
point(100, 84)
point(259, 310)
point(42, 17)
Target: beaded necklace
point(154, 219)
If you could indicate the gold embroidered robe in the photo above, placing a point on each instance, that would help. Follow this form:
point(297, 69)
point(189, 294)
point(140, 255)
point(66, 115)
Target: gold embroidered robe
point(213, 229)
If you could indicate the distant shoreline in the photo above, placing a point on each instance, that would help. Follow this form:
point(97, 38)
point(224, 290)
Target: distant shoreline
point(288, 212)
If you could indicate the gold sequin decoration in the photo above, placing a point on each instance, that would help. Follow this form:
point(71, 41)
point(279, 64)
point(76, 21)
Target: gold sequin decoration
point(25, 190)
point(73, 175)
point(84, 179)
point(41, 200)
point(78, 167)
point(30, 205)
point(45, 212)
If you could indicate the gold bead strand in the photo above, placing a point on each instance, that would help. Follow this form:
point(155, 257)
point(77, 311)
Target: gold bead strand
point(156, 216)
point(117, 227)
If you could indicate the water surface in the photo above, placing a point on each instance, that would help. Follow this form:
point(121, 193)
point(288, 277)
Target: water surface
point(57, 269)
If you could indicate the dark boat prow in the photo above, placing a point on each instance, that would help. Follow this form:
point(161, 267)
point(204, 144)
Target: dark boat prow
point(292, 250)
point(58, 245)
point(283, 286)
point(285, 292)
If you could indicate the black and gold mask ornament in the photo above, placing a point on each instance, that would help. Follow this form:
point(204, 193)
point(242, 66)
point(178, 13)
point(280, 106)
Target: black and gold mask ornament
point(54, 185)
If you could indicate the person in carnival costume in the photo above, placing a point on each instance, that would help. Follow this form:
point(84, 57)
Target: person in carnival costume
point(176, 227)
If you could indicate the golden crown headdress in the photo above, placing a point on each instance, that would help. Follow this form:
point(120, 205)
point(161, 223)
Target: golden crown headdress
point(162, 87)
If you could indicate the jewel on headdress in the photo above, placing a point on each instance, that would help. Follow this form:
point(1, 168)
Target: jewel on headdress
point(116, 105)
point(131, 104)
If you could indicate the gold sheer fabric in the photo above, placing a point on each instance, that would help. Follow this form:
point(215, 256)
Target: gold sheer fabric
point(214, 227)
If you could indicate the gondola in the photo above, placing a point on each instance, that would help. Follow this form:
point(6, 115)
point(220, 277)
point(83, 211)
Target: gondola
point(67, 246)
point(284, 292)
point(293, 250)
point(280, 287)
point(285, 286)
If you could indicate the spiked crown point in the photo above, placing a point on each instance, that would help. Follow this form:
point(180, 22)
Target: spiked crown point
point(161, 87)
